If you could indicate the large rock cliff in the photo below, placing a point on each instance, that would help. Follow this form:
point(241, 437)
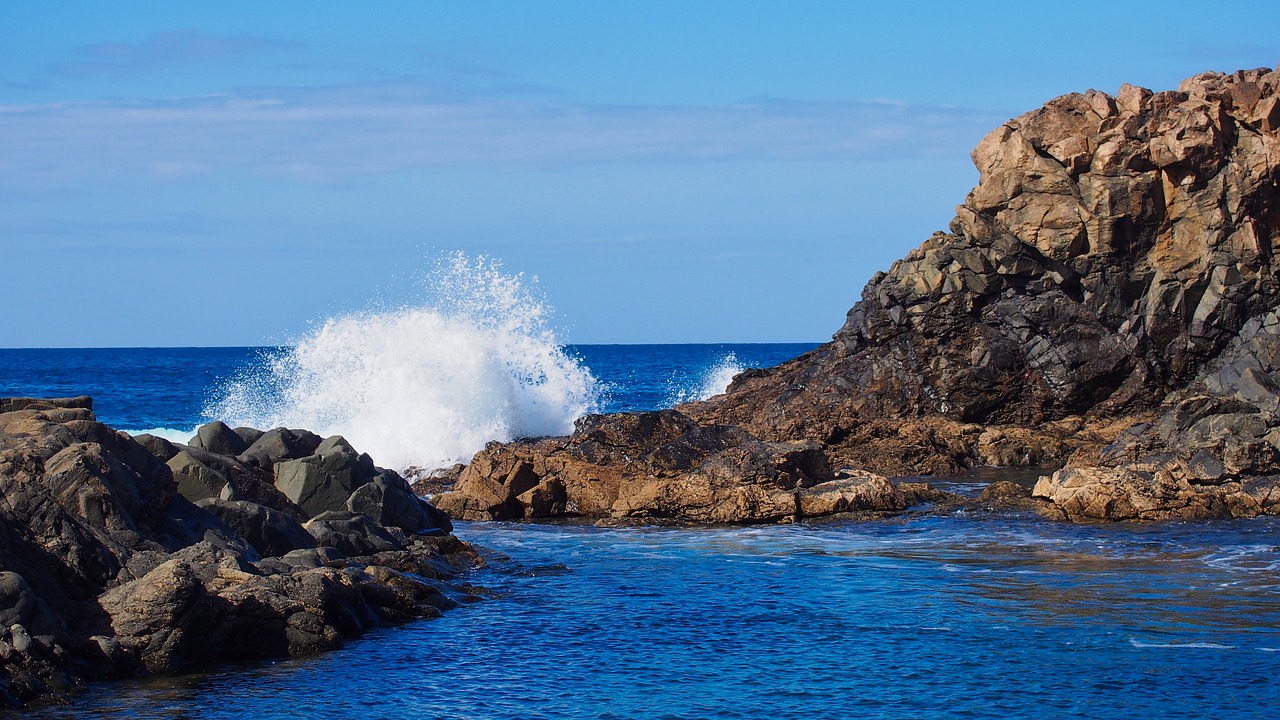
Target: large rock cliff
point(1112, 248)
point(1106, 295)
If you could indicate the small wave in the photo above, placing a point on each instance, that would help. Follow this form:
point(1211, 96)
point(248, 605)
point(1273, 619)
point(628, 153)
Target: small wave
point(425, 385)
point(1202, 645)
point(171, 434)
point(713, 381)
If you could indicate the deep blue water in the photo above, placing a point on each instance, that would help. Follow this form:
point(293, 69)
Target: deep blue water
point(141, 388)
point(949, 616)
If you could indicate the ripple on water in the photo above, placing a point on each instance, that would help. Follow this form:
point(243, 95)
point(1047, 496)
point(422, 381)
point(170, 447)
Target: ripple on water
point(933, 617)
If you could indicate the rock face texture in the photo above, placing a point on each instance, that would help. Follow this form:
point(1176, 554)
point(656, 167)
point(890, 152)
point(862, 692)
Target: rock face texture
point(1106, 294)
point(1114, 246)
point(109, 569)
point(660, 465)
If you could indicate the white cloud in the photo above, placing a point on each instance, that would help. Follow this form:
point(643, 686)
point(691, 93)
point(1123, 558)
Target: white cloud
point(335, 133)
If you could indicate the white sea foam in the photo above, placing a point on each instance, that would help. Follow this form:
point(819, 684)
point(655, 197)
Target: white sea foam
point(177, 435)
point(1200, 645)
point(713, 381)
point(426, 385)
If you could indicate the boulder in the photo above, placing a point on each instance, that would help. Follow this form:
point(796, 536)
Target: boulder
point(323, 481)
point(196, 481)
point(279, 444)
point(389, 500)
point(217, 437)
point(270, 532)
point(351, 533)
point(158, 446)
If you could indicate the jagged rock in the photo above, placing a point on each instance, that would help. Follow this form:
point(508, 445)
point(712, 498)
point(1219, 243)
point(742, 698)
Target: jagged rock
point(106, 570)
point(1112, 247)
point(658, 465)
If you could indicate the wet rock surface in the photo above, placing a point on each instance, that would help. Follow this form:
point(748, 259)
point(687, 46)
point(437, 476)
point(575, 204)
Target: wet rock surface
point(117, 561)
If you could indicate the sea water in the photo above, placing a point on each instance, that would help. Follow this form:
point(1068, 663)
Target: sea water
point(954, 615)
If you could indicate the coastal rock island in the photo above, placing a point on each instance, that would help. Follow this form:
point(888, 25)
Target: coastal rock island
point(1106, 298)
point(122, 556)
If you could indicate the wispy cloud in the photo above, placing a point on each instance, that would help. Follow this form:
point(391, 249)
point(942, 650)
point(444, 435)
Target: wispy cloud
point(160, 50)
point(335, 133)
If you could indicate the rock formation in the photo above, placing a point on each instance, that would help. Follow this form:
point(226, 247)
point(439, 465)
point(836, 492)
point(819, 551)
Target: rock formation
point(660, 465)
point(1112, 248)
point(1107, 293)
point(122, 556)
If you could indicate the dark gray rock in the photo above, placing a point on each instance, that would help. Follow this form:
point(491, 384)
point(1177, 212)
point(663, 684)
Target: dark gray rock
point(323, 556)
point(248, 435)
point(270, 532)
point(158, 446)
point(216, 437)
point(107, 571)
point(354, 534)
point(280, 444)
point(389, 500)
point(196, 481)
point(324, 481)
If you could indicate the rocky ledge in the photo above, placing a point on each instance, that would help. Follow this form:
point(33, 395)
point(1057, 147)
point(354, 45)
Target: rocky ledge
point(1107, 297)
point(123, 556)
point(663, 466)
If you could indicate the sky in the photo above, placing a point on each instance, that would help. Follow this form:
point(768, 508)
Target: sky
point(232, 173)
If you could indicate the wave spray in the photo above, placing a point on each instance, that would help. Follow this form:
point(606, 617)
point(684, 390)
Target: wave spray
point(424, 386)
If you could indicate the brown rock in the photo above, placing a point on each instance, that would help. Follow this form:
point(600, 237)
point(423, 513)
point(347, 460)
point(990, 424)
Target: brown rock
point(1112, 248)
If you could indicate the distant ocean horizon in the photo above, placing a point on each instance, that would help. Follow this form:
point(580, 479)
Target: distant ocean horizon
point(171, 390)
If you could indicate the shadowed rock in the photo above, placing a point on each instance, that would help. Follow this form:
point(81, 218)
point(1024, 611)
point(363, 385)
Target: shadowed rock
point(109, 571)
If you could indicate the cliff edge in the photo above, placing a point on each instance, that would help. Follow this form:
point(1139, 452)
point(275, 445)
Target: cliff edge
point(1106, 298)
point(1114, 246)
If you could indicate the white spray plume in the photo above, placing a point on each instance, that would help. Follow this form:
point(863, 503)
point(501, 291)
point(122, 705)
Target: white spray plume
point(427, 385)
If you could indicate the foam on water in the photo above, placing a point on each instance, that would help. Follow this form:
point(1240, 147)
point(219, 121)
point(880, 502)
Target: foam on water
point(176, 435)
point(426, 385)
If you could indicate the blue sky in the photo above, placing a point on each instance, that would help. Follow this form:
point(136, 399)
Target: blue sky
point(229, 173)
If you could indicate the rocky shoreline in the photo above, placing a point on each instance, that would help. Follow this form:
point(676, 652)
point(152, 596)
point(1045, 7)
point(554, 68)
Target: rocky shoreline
point(1106, 298)
point(1106, 302)
point(124, 556)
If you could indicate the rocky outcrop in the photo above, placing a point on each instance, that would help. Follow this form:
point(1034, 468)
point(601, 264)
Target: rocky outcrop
point(1106, 294)
point(660, 465)
point(109, 570)
point(1213, 451)
point(1113, 247)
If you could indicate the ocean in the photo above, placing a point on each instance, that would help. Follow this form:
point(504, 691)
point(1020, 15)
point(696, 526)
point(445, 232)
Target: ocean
point(960, 615)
